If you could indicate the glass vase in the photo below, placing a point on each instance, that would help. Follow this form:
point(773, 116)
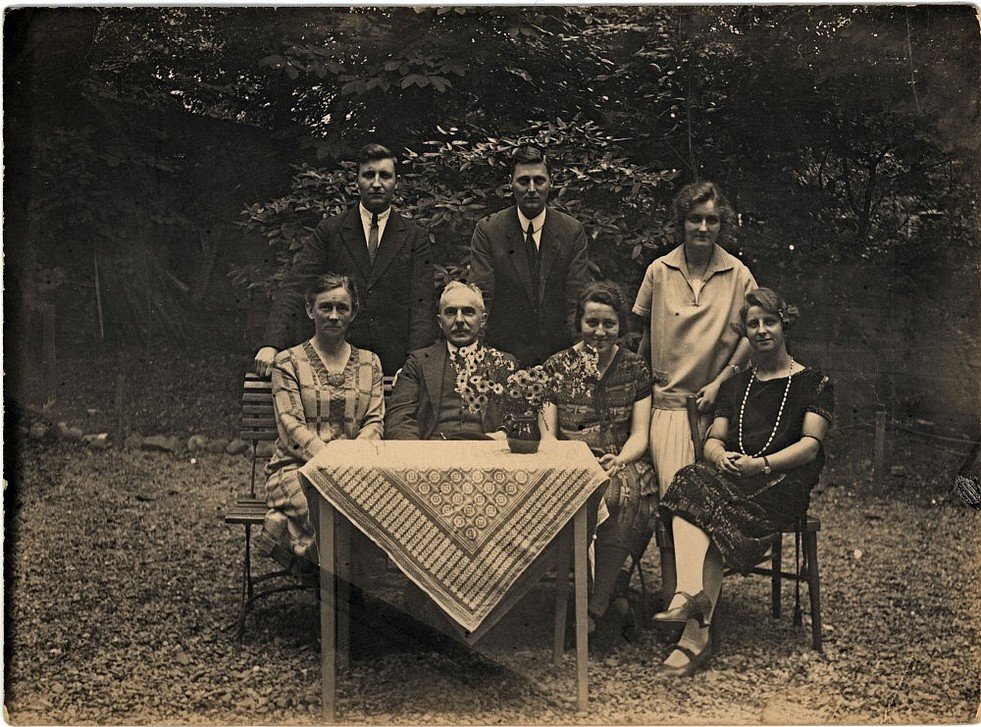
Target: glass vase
point(523, 434)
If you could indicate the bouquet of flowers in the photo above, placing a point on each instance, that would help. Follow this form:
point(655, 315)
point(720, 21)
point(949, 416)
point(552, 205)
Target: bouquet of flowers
point(480, 374)
point(487, 375)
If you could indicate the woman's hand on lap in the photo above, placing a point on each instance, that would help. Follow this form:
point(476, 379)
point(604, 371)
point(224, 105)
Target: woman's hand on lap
point(747, 466)
point(610, 463)
point(725, 462)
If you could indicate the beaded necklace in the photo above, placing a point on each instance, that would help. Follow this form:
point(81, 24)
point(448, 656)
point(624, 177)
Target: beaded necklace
point(742, 410)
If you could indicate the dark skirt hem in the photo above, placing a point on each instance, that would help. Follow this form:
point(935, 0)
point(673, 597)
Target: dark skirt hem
point(741, 516)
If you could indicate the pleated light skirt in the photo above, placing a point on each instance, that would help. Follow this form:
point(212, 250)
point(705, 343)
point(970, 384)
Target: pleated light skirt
point(671, 446)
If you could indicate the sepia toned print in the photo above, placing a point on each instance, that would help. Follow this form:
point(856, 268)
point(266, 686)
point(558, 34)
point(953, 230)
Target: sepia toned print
point(174, 176)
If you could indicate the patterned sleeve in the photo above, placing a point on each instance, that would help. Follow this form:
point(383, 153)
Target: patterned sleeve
point(557, 363)
point(642, 377)
point(823, 403)
point(290, 417)
point(373, 423)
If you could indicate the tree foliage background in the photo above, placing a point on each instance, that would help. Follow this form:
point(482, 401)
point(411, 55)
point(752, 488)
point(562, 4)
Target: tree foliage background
point(163, 164)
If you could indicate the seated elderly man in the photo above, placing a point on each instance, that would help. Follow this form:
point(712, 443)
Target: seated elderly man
point(426, 402)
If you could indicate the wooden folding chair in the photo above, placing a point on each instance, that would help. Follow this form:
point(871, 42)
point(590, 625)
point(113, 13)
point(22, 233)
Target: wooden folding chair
point(258, 424)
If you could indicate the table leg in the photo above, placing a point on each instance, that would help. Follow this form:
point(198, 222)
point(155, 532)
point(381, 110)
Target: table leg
point(342, 552)
point(564, 551)
point(582, 623)
point(328, 611)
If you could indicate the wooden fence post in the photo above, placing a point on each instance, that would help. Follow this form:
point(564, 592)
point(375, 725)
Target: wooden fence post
point(879, 447)
point(49, 352)
point(120, 430)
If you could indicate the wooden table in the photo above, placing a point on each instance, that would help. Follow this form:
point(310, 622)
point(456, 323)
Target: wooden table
point(465, 521)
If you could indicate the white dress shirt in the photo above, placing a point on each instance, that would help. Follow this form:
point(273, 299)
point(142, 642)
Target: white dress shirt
point(366, 222)
point(538, 223)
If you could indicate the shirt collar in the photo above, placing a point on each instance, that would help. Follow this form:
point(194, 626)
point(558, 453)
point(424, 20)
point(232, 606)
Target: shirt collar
point(538, 222)
point(721, 260)
point(366, 215)
point(463, 350)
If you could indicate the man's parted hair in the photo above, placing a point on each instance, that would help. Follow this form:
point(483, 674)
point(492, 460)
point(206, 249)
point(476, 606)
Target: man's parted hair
point(529, 154)
point(376, 152)
point(456, 285)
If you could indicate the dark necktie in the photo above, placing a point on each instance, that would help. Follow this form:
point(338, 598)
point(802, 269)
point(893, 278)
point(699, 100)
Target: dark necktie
point(373, 237)
point(532, 254)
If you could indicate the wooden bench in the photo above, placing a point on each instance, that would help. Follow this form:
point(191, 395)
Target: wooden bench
point(258, 424)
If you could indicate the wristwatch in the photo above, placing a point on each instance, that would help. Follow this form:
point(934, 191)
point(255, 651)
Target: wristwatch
point(767, 469)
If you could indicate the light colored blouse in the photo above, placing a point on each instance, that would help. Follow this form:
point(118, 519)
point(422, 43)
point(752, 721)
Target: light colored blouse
point(692, 338)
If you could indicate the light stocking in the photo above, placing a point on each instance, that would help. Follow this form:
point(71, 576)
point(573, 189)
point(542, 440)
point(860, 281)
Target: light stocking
point(690, 547)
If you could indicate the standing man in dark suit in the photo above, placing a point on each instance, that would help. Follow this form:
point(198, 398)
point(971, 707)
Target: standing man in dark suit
point(530, 262)
point(387, 255)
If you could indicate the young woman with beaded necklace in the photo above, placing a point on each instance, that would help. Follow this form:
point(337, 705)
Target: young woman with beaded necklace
point(763, 455)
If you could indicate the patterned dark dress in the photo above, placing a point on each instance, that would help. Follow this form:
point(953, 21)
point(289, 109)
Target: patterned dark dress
point(602, 420)
point(741, 514)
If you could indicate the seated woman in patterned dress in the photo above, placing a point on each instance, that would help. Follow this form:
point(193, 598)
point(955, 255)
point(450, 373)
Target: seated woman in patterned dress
point(762, 457)
point(323, 389)
point(613, 418)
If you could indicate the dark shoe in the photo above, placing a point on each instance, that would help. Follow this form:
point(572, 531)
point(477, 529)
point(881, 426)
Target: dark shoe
point(695, 607)
point(695, 662)
point(592, 620)
point(307, 573)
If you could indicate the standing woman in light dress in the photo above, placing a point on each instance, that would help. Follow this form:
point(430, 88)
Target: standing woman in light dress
point(689, 301)
point(323, 389)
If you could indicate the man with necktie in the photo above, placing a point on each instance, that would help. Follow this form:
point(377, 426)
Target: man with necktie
point(530, 262)
point(388, 256)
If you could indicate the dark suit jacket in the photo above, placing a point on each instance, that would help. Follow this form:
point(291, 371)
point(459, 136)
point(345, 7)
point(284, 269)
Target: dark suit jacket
point(530, 319)
point(411, 410)
point(398, 305)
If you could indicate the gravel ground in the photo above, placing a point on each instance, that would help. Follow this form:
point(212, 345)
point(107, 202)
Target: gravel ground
point(122, 582)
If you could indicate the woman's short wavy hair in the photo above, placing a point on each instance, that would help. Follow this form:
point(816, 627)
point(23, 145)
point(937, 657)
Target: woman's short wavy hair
point(606, 292)
point(330, 281)
point(695, 193)
point(770, 301)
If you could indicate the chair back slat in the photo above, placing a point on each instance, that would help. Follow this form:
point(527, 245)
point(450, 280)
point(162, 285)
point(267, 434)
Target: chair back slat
point(691, 407)
point(258, 409)
point(258, 422)
point(257, 426)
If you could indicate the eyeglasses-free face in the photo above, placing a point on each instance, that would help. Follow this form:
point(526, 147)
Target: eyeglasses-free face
point(702, 225)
